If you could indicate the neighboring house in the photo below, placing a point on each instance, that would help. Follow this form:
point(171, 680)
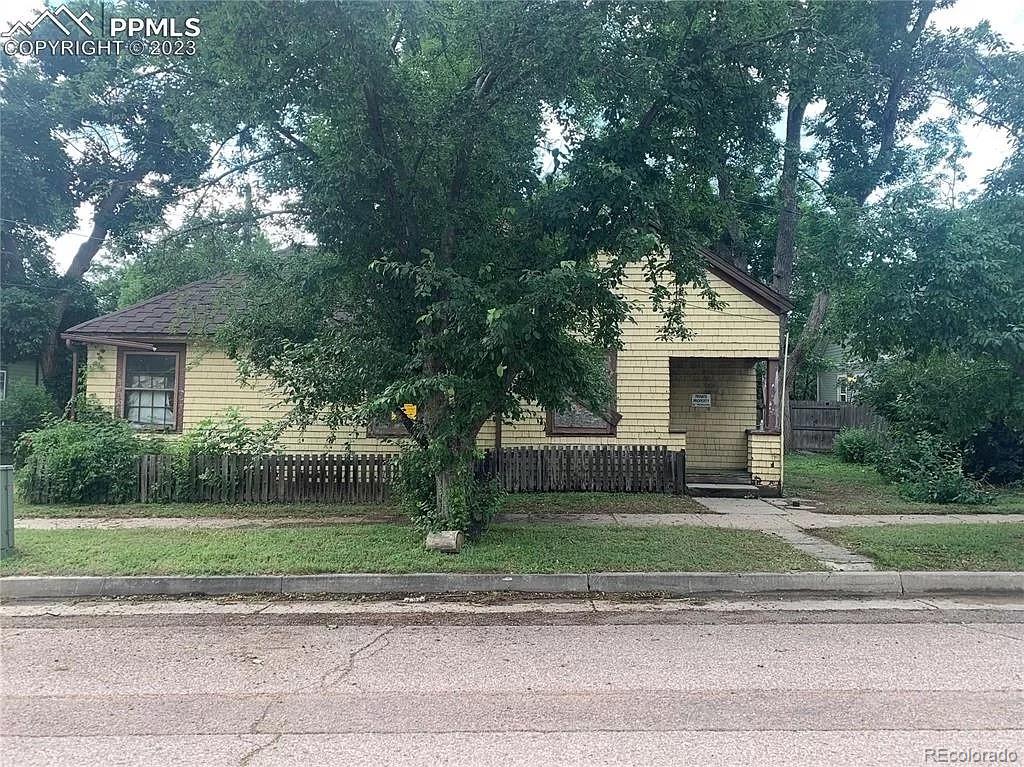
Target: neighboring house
point(17, 372)
point(154, 363)
point(837, 382)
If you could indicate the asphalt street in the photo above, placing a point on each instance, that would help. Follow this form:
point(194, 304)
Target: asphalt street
point(526, 683)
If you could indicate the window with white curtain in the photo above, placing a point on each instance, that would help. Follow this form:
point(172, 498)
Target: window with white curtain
point(150, 391)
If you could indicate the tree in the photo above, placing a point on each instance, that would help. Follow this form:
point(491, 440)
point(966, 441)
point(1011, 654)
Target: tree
point(98, 134)
point(200, 248)
point(452, 271)
point(875, 70)
point(941, 280)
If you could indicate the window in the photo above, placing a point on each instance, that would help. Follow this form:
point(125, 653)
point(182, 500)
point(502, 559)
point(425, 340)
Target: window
point(845, 384)
point(150, 399)
point(393, 427)
point(577, 420)
point(3, 384)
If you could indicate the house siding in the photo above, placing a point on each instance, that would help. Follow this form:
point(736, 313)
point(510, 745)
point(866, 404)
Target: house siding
point(764, 459)
point(717, 434)
point(744, 330)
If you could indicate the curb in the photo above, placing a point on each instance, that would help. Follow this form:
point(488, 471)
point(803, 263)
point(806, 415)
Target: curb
point(873, 584)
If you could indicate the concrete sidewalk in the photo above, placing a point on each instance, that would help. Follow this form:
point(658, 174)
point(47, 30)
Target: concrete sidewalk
point(748, 515)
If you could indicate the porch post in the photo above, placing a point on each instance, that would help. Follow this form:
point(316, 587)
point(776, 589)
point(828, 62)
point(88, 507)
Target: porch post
point(771, 396)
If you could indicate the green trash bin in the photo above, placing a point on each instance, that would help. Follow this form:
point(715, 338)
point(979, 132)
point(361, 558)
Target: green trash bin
point(6, 510)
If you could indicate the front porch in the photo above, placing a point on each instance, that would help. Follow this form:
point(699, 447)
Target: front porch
point(733, 444)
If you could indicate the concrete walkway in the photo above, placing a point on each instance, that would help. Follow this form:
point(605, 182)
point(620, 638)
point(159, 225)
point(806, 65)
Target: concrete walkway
point(744, 517)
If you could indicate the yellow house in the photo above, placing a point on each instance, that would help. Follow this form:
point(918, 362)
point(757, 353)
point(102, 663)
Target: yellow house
point(155, 365)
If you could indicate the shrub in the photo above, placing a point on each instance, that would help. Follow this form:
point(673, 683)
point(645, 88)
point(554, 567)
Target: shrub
point(25, 408)
point(79, 462)
point(474, 500)
point(928, 469)
point(857, 446)
point(228, 435)
point(986, 421)
point(996, 454)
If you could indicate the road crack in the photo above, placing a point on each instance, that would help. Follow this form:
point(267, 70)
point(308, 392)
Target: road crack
point(252, 754)
point(337, 674)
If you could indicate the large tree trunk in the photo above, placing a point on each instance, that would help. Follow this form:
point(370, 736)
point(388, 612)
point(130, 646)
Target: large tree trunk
point(103, 220)
point(730, 245)
point(810, 337)
point(444, 485)
point(789, 215)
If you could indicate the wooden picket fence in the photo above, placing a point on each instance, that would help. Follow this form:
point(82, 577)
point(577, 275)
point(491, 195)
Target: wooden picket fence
point(582, 468)
point(307, 478)
point(367, 478)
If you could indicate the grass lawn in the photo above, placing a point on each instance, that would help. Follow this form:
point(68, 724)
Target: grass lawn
point(847, 488)
point(396, 549)
point(996, 546)
point(523, 503)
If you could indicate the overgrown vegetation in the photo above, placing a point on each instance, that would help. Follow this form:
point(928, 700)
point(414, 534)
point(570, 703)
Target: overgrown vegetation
point(25, 407)
point(471, 501)
point(229, 434)
point(93, 459)
point(89, 460)
point(857, 445)
point(927, 468)
point(850, 488)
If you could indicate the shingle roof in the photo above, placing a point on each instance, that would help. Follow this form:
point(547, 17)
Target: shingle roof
point(199, 308)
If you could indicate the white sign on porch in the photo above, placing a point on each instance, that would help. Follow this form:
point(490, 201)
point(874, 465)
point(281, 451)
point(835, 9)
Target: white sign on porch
point(700, 400)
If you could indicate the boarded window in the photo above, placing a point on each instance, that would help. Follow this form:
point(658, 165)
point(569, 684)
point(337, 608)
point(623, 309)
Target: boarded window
point(578, 420)
point(394, 426)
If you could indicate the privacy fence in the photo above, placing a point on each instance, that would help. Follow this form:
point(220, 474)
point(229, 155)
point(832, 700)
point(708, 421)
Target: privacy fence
point(368, 478)
point(813, 425)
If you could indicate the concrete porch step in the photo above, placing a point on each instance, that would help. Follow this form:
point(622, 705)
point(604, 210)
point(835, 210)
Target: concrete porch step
point(721, 490)
point(720, 483)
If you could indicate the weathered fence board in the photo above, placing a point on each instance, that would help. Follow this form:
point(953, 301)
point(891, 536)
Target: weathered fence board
point(813, 425)
point(368, 478)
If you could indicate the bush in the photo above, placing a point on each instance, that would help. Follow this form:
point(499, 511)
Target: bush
point(986, 421)
point(228, 435)
point(80, 462)
point(25, 408)
point(857, 446)
point(996, 454)
point(929, 470)
point(474, 500)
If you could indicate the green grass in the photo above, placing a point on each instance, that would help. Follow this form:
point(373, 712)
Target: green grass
point(396, 549)
point(996, 546)
point(524, 503)
point(847, 488)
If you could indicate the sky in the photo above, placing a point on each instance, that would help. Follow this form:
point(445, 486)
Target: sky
point(988, 146)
